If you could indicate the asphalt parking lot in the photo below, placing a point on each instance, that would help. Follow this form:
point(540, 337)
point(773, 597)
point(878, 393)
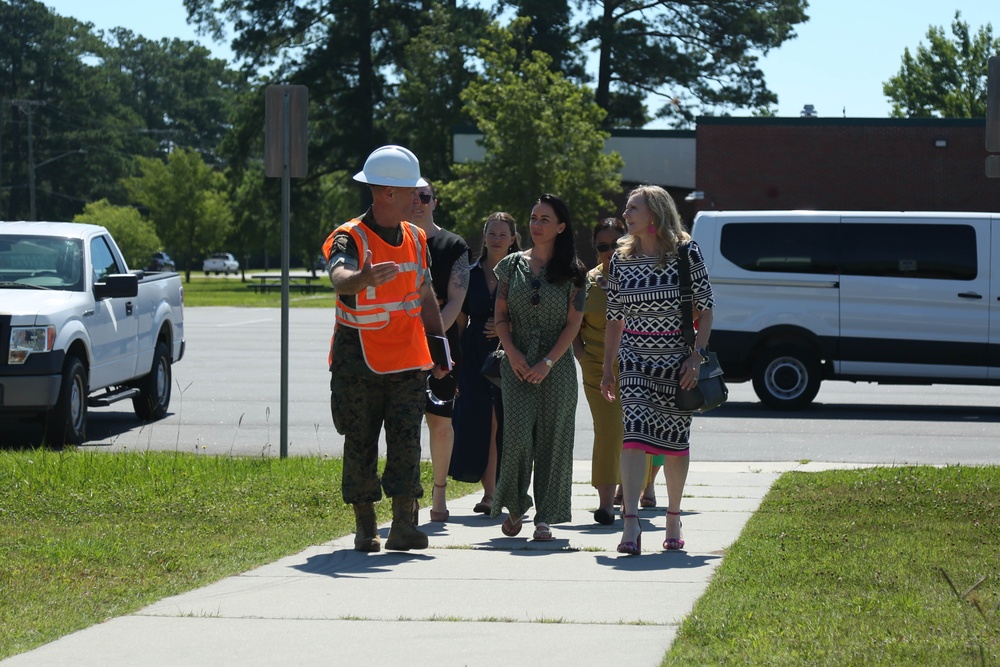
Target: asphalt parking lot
point(226, 399)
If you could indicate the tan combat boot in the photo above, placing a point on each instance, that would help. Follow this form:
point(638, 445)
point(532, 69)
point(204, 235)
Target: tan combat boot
point(366, 528)
point(403, 535)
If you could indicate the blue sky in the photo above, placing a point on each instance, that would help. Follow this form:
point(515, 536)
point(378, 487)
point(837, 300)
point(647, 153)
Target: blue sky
point(838, 62)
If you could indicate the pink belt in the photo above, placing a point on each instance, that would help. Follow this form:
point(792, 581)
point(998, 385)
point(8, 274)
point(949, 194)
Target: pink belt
point(653, 333)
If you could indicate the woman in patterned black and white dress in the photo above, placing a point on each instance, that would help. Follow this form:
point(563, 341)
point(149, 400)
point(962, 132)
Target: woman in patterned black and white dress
point(644, 338)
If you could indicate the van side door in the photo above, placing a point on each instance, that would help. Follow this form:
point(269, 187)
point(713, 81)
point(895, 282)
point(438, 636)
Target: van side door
point(993, 348)
point(914, 297)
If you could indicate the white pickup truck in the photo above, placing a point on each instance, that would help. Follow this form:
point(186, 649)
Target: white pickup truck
point(80, 329)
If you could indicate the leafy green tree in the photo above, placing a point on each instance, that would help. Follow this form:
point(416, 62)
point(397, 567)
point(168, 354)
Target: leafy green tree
point(699, 57)
point(68, 95)
point(346, 52)
point(947, 77)
point(55, 105)
point(182, 94)
point(541, 133)
point(551, 31)
point(187, 202)
point(136, 237)
point(439, 63)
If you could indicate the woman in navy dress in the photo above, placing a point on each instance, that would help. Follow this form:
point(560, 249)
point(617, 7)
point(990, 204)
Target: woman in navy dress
point(478, 413)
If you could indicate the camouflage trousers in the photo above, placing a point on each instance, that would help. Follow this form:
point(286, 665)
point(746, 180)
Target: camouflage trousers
point(361, 402)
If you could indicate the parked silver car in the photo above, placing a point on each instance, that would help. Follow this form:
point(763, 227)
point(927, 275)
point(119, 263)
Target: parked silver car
point(220, 262)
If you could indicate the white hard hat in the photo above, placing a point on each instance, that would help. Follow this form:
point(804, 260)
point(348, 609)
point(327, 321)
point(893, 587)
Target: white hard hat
point(391, 165)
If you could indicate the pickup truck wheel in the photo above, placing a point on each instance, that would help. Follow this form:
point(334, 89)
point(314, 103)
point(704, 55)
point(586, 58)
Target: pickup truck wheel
point(787, 377)
point(154, 389)
point(66, 422)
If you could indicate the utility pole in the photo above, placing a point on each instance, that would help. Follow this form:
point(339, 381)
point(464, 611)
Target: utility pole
point(27, 107)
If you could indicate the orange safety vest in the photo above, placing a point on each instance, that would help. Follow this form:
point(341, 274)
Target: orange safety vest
point(387, 317)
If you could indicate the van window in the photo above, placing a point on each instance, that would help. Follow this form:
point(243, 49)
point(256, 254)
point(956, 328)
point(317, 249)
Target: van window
point(941, 252)
point(781, 247)
point(906, 250)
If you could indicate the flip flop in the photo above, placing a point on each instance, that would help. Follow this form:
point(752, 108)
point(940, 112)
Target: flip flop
point(511, 526)
point(542, 533)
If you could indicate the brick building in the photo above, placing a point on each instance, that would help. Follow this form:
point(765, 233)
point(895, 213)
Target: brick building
point(883, 164)
point(879, 164)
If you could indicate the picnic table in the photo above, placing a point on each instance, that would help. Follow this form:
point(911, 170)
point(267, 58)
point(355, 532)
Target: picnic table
point(304, 283)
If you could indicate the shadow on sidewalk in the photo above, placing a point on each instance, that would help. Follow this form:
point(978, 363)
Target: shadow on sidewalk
point(652, 561)
point(347, 562)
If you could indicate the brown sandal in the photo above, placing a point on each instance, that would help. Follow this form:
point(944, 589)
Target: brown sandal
point(485, 506)
point(440, 516)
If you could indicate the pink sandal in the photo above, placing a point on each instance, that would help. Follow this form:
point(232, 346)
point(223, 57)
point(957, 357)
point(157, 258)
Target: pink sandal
point(631, 548)
point(673, 543)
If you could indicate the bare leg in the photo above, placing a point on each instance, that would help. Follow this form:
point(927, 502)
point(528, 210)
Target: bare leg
point(650, 491)
point(675, 471)
point(633, 471)
point(442, 442)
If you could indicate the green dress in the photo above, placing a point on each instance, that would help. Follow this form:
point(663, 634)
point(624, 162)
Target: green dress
point(539, 420)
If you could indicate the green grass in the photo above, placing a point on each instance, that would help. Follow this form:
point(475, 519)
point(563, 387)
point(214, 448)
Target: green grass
point(205, 291)
point(848, 568)
point(87, 536)
point(835, 568)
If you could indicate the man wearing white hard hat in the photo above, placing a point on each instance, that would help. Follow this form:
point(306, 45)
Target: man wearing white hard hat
point(379, 357)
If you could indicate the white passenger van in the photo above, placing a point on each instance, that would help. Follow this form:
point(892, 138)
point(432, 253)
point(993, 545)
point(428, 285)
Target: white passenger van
point(887, 297)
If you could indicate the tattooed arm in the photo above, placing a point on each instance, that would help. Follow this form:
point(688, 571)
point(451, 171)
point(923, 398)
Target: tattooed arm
point(458, 285)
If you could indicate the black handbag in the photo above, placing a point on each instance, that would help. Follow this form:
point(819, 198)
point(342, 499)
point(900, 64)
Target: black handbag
point(711, 390)
point(491, 365)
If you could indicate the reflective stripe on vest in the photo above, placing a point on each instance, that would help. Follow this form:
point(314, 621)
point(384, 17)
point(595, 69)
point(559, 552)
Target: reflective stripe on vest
point(388, 316)
point(370, 312)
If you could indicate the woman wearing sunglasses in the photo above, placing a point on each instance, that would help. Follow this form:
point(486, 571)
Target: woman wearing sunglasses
point(450, 278)
point(539, 307)
point(588, 346)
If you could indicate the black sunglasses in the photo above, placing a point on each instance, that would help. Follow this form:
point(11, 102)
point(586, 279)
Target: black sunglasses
point(536, 298)
point(425, 198)
point(604, 247)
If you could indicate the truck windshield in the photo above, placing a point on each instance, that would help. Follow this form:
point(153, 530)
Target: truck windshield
point(46, 262)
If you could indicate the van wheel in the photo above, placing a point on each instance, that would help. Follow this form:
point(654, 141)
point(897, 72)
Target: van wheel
point(66, 422)
point(154, 389)
point(787, 377)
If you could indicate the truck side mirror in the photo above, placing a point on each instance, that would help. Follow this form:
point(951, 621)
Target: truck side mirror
point(120, 285)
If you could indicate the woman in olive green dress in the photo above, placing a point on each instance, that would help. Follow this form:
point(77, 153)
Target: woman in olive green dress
point(589, 350)
point(539, 307)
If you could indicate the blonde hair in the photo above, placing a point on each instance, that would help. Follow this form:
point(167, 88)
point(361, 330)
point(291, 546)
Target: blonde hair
point(669, 231)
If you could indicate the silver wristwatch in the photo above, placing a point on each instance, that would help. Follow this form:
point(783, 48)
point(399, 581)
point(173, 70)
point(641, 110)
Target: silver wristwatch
point(548, 362)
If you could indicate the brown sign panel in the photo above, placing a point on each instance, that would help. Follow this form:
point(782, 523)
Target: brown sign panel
point(286, 114)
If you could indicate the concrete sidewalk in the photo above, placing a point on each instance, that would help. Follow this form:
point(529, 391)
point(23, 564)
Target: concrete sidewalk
point(475, 597)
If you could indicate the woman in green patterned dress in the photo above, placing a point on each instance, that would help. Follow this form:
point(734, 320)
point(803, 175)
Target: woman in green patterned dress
point(539, 307)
